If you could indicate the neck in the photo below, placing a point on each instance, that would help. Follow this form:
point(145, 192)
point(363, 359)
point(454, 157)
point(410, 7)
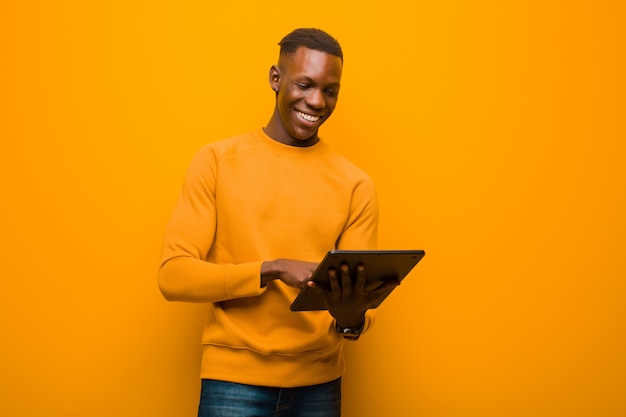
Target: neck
point(275, 129)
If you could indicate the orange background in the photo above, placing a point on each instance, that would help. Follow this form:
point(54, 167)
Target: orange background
point(496, 134)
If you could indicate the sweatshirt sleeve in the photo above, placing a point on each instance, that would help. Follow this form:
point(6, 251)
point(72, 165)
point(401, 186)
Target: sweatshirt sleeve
point(361, 230)
point(184, 273)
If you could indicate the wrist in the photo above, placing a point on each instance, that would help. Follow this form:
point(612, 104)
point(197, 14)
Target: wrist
point(352, 333)
point(351, 322)
point(269, 272)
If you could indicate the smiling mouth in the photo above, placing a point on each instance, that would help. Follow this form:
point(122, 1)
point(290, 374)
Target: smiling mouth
point(308, 117)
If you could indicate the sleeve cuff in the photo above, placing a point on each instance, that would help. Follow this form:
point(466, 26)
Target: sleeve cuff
point(243, 280)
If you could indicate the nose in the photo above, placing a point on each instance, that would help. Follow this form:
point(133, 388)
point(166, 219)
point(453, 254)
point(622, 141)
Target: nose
point(315, 100)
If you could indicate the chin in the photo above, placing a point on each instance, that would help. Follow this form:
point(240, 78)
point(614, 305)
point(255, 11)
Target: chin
point(303, 136)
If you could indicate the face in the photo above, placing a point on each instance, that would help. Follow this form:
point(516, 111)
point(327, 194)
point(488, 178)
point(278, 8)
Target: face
point(307, 85)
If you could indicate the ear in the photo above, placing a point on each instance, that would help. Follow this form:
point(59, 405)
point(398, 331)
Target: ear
point(274, 77)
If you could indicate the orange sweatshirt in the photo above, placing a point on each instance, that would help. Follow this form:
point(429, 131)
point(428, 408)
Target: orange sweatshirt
point(246, 200)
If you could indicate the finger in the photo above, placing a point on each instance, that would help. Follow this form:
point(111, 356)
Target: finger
point(318, 285)
point(359, 285)
point(334, 283)
point(321, 291)
point(308, 278)
point(346, 281)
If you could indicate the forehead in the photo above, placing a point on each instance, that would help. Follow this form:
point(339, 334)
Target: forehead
point(316, 65)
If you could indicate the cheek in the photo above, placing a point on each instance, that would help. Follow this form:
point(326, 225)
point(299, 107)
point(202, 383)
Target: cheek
point(285, 111)
point(331, 105)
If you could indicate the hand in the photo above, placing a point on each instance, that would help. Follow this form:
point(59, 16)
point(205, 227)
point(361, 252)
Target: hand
point(347, 302)
point(290, 271)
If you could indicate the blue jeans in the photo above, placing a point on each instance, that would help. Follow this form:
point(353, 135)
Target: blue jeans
point(227, 399)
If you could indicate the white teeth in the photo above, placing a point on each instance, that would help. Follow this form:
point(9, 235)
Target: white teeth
point(308, 117)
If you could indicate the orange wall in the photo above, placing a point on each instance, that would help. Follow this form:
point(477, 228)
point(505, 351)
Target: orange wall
point(495, 131)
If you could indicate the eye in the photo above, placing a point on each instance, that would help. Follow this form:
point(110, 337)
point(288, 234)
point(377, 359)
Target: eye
point(332, 93)
point(302, 86)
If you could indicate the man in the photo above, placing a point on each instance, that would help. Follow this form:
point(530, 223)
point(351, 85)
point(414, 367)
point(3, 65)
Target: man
point(256, 214)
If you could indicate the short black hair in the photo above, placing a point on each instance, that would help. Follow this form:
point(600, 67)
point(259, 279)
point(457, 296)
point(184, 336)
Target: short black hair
point(310, 38)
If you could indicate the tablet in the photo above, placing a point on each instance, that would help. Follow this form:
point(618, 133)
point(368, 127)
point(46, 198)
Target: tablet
point(380, 265)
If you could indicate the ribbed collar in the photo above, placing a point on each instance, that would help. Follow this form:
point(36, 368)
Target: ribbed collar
point(288, 149)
